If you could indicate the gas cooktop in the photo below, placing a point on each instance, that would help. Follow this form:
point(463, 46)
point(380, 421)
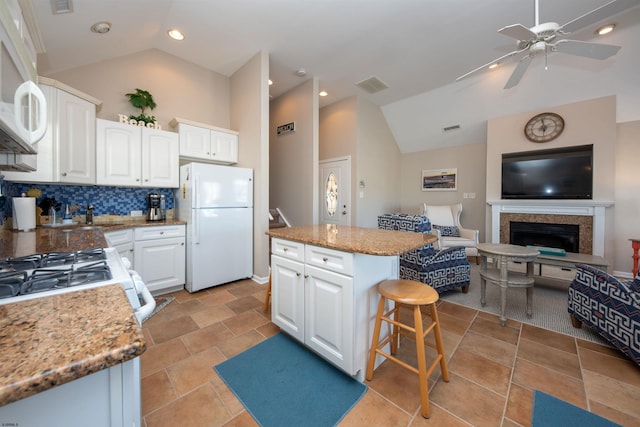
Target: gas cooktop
point(48, 272)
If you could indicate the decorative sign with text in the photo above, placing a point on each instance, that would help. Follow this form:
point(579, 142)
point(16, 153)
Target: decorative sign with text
point(284, 129)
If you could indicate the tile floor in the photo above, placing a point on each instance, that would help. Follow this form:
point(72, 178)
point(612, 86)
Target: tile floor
point(493, 369)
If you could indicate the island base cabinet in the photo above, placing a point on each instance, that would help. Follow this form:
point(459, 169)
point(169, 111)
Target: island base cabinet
point(329, 316)
point(287, 296)
point(331, 312)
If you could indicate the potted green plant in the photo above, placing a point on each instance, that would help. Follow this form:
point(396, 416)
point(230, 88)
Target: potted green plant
point(142, 99)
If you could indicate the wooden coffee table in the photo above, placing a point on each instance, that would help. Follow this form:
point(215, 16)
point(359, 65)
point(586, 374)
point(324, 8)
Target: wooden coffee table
point(500, 275)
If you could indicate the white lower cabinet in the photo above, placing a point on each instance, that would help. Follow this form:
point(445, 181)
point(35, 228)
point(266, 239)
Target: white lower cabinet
point(327, 299)
point(156, 253)
point(159, 257)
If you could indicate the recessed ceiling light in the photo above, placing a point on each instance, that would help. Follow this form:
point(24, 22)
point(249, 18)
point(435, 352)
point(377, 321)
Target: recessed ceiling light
point(605, 29)
point(323, 93)
point(101, 27)
point(270, 82)
point(175, 34)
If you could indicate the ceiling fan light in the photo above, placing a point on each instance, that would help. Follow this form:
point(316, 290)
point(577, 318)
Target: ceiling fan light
point(175, 34)
point(605, 29)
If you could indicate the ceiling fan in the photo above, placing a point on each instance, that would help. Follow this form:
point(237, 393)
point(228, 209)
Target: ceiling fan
point(547, 37)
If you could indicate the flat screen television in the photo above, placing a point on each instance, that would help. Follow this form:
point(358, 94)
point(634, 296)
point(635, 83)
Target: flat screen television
point(562, 173)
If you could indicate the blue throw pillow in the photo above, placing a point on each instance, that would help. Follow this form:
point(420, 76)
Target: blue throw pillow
point(447, 230)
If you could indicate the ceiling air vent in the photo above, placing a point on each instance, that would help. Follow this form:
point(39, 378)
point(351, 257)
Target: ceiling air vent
point(61, 6)
point(450, 128)
point(372, 85)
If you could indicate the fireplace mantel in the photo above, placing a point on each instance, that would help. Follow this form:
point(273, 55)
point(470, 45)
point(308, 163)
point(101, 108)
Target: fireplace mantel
point(593, 208)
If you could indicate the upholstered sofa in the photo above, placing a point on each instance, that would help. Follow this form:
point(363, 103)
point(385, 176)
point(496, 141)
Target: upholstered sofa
point(609, 306)
point(446, 220)
point(443, 269)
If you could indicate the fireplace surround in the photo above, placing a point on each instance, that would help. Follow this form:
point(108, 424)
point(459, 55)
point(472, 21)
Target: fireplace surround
point(588, 214)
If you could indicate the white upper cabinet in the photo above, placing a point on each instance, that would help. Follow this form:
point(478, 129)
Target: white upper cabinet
point(66, 153)
point(207, 143)
point(136, 156)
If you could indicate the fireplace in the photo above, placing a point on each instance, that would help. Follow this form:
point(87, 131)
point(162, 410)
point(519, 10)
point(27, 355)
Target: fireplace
point(589, 215)
point(561, 236)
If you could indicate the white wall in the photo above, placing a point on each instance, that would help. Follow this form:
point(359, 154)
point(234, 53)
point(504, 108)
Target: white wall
point(355, 127)
point(249, 107)
point(179, 88)
point(471, 165)
point(627, 203)
point(294, 156)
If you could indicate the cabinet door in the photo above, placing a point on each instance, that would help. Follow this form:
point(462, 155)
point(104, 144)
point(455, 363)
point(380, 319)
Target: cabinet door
point(160, 263)
point(76, 139)
point(287, 296)
point(118, 158)
point(224, 147)
point(160, 159)
point(195, 141)
point(329, 316)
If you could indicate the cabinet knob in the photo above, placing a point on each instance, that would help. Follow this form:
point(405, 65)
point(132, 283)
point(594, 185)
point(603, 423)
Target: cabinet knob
point(146, 180)
point(64, 174)
point(137, 179)
point(286, 249)
point(306, 276)
point(298, 274)
point(162, 232)
point(325, 259)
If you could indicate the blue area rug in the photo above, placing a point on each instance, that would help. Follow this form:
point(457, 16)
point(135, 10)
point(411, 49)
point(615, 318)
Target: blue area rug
point(549, 411)
point(281, 383)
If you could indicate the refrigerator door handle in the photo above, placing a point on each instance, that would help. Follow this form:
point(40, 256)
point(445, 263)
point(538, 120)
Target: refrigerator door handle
point(196, 202)
point(196, 232)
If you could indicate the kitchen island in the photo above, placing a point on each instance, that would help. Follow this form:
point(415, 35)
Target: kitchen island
point(323, 286)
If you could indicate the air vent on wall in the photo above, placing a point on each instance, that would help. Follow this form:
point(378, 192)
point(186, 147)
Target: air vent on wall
point(372, 85)
point(450, 128)
point(61, 6)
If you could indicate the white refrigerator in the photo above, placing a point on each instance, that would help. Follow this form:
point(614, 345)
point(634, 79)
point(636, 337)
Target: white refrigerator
point(217, 204)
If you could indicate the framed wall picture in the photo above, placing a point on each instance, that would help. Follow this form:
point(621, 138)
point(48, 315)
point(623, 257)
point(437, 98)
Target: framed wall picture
point(440, 180)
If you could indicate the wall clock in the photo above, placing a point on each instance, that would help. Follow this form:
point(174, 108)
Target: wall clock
point(544, 127)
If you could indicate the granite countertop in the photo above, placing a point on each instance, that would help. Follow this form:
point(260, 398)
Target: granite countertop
point(54, 340)
point(63, 238)
point(372, 241)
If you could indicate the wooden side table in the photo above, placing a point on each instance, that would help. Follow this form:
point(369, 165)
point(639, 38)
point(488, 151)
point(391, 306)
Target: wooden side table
point(635, 245)
point(501, 276)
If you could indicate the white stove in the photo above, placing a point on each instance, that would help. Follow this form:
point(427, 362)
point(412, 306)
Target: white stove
point(41, 275)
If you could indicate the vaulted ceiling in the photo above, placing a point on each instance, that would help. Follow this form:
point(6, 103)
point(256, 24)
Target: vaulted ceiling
point(416, 47)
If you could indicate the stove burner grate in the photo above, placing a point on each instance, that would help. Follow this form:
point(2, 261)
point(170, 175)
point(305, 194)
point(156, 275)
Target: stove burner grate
point(24, 263)
point(10, 283)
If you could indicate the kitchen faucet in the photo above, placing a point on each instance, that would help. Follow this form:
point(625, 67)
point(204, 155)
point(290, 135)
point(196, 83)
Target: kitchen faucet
point(89, 217)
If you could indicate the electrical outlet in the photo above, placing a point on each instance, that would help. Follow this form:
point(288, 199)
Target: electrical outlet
point(136, 213)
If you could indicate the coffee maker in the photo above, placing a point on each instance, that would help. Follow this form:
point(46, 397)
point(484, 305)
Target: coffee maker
point(156, 210)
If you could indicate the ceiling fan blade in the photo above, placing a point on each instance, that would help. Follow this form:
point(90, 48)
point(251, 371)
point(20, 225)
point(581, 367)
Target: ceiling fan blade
point(518, 72)
point(612, 8)
point(497, 60)
point(518, 32)
point(589, 50)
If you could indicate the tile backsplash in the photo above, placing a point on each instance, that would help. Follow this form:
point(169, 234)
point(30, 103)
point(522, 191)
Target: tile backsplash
point(106, 200)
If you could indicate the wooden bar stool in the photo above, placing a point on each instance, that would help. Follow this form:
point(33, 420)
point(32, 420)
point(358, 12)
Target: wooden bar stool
point(408, 294)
